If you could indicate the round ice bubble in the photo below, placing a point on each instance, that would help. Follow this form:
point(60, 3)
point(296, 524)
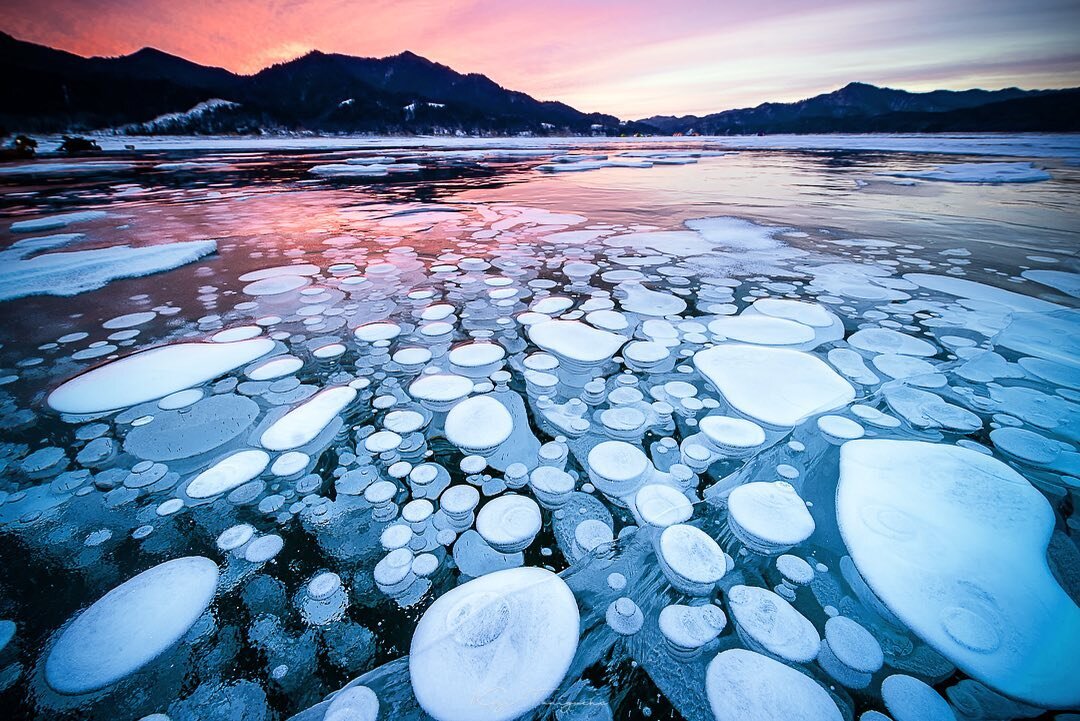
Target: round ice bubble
point(494, 648)
point(509, 523)
point(732, 435)
point(478, 424)
point(624, 617)
point(616, 467)
point(769, 517)
point(662, 506)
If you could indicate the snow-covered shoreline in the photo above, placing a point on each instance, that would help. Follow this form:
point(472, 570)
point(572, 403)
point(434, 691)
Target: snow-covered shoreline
point(1030, 145)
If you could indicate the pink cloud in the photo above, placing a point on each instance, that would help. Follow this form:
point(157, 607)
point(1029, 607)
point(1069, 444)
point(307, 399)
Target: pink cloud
point(628, 58)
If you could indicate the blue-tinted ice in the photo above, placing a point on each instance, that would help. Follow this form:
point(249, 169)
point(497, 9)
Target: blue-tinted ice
point(473, 433)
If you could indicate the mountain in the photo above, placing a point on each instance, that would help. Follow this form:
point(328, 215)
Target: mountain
point(153, 92)
point(150, 91)
point(863, 108)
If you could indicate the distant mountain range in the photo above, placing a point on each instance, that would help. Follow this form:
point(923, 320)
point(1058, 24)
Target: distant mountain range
point(863, 108)
point(152, 92)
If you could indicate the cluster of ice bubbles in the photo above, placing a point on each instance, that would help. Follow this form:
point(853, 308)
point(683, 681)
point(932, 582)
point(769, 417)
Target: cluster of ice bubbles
point(825, 496)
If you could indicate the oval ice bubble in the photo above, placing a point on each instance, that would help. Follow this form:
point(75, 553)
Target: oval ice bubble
point(769, 624)
point(478, 424)
point(131, 625)
point(691, 560)
point(306, 421)
point(743, 685)
point(152, 374)
point(228, 473)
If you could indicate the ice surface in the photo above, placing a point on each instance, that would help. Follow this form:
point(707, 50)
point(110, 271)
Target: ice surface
point(494, 648)
point(1042, 145)
point(954, 543)
point(1068, 283)
point(973, 290)
point(79, 271)
point(981, 173)
point(52, 222)
point(153, 374)
point(443, 390)
point(131, 625)
point(350, 170)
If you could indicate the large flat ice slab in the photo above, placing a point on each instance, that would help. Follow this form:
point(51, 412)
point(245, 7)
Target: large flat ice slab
point(79, 271)
point(954, 543)
point(980, 173)
point(775, 386)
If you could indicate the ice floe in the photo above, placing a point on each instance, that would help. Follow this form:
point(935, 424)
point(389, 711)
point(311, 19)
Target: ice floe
point(78, 271)
point(983, 172)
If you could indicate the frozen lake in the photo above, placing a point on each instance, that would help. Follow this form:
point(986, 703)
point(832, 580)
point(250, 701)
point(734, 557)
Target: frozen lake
point(341, 429)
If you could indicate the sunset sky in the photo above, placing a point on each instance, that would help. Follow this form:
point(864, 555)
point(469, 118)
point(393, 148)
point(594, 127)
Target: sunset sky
point(631, 59)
